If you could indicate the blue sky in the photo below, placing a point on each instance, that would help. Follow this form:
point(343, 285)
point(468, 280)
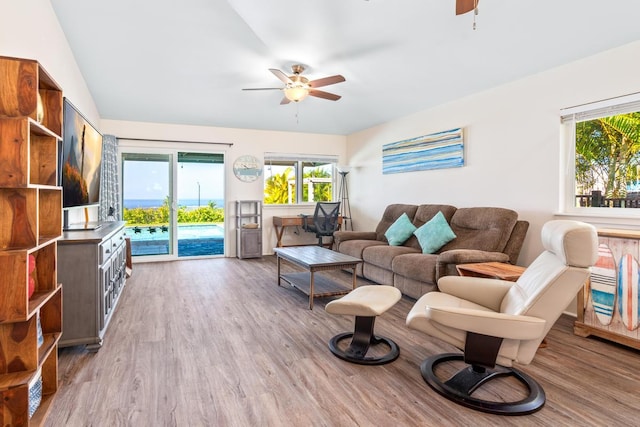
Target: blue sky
point(150, 180)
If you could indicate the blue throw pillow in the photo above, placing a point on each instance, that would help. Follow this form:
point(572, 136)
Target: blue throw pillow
point(400, 230)
point(434, 234)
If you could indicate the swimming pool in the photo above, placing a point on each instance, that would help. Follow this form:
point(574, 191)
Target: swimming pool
point(193, 240)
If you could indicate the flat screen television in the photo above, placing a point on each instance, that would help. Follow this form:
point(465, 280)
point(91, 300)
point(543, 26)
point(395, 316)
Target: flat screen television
point(81, 162)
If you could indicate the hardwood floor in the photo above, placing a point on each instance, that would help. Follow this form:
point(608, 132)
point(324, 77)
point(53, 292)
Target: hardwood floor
point(217, 343)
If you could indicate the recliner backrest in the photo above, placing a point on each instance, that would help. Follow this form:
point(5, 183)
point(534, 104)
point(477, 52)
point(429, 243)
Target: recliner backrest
point(551, 282)
point(423, 214)
point(391, 213)
point(483, 228)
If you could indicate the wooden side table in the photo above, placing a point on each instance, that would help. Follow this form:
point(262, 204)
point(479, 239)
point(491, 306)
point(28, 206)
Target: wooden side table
point(495, 270)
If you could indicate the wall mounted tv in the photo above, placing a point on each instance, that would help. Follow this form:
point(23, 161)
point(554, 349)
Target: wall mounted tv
point(81, 162)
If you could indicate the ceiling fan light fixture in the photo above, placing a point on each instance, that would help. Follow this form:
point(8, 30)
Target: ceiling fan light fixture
point(296, 92)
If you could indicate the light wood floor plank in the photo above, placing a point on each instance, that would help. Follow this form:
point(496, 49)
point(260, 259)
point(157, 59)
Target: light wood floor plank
point(217, 343)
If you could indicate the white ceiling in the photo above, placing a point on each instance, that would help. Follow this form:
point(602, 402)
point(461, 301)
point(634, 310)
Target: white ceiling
point(186, 61)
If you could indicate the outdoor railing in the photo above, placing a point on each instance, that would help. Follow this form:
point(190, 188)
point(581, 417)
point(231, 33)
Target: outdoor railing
point(597, 200)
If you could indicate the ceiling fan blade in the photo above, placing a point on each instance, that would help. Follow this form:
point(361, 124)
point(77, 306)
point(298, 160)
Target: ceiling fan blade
point(262, 88)
point(282, 76)
point(324, 95)
point(326, 81)
point(284, 101)
point(464, 6)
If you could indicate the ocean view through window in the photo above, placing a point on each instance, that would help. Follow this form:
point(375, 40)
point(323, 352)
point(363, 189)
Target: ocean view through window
point(173, 204)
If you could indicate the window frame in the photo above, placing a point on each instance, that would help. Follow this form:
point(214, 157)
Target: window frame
point(299, 161)
point(569, 117)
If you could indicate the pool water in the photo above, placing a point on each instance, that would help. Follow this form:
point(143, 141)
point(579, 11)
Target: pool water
point(193, 240)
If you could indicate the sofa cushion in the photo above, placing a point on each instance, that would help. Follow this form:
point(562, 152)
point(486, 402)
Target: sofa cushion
point(486, 228)
point(424, 213)
point(383, 255)
point(400, 230)
point(391, 213)
point(420, 267)
point(356, 247)
point(434, 234)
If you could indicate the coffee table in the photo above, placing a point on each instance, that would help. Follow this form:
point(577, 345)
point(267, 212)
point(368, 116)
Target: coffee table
point(314, 259)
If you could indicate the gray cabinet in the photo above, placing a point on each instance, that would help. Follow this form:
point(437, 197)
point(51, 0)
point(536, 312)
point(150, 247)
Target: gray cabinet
point(91, 268)
point(249, 229)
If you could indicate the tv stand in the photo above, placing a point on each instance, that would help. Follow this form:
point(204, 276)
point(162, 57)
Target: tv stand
point(91, 266)
point(78, 226)
point(82, 226)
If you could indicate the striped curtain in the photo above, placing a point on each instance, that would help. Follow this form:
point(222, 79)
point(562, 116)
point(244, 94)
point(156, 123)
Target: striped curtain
point(109, 189)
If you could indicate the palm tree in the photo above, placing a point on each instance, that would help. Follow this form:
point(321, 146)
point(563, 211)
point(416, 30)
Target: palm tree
point(608, 152)
point(276, 189)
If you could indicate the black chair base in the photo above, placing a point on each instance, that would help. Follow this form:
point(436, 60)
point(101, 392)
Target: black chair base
point(363, 339)
point(461, 386)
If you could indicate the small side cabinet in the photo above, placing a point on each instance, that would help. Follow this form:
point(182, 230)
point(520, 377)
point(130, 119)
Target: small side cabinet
point(608, 304)
point(249, 229)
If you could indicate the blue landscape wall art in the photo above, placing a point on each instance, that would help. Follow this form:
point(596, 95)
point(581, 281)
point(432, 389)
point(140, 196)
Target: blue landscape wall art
point(435, 151)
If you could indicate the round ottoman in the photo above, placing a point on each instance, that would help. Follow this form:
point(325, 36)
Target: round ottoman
point(365, 303)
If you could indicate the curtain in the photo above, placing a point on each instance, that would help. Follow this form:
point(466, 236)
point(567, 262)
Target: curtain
point(109, 188)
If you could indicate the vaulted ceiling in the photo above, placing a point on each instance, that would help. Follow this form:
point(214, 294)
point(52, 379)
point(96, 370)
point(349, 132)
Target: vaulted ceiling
point(187, 61)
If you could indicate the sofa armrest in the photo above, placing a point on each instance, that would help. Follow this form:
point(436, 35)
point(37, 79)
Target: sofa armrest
point(342, 236)
point(446, 262)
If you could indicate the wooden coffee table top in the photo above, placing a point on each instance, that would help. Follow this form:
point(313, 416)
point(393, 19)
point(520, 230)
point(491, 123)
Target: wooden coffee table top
point(498, 270)
point(315, 256)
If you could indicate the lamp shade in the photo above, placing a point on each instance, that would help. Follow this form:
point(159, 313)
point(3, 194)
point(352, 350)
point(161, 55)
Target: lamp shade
point(345, 169)
point(296, 93)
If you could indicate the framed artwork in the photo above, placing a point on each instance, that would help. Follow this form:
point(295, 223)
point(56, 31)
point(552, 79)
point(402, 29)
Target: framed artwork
point(435, 151)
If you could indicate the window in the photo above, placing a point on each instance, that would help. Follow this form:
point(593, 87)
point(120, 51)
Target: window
point(603, 154)
point(294, 179)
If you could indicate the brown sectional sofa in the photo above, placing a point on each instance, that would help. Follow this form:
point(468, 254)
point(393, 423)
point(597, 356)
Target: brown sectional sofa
point(483, 234)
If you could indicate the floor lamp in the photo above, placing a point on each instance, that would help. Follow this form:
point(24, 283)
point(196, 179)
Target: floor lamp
point(345, 208)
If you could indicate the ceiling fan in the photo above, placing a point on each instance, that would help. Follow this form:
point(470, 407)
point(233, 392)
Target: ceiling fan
point(464, 6)
point(298, 87)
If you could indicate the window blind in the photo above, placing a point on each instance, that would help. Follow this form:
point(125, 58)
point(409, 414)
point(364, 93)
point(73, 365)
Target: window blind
point(320, 158)
point(608, 107)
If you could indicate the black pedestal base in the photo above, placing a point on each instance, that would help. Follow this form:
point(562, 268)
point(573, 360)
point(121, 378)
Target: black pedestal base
point(363, 338)
point(460, 387)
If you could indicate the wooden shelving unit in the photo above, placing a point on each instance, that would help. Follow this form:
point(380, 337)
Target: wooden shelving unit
point(249, 229)
point(30, 224)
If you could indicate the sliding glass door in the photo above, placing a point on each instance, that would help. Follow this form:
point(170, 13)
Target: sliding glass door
point(200, 197)
point(173, 203)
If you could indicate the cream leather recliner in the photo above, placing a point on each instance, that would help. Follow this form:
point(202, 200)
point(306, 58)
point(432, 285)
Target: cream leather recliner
point(497, 322)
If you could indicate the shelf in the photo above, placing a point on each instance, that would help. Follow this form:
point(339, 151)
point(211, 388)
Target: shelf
point(31, 217)
point(16, 306)
point(14, 391)
point(49, 214)
point(31, 120)
point(19, 218)
point(19, 97)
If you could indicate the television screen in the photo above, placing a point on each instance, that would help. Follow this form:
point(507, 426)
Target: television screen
point(81, 159)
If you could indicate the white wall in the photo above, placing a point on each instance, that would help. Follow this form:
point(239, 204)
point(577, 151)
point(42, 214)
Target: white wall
point(244, 141)
point(30, 29)
point(512, 146)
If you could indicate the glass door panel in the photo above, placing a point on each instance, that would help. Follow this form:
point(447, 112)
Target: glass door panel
point(200, 196)
point(147, 202)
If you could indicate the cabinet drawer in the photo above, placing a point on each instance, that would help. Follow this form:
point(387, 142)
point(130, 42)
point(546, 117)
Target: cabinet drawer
point(117, 241)
point(105, 250)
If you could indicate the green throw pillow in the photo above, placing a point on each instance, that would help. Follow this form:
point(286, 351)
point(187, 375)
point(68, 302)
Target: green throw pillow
point(400, 230)
point(434, 234)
